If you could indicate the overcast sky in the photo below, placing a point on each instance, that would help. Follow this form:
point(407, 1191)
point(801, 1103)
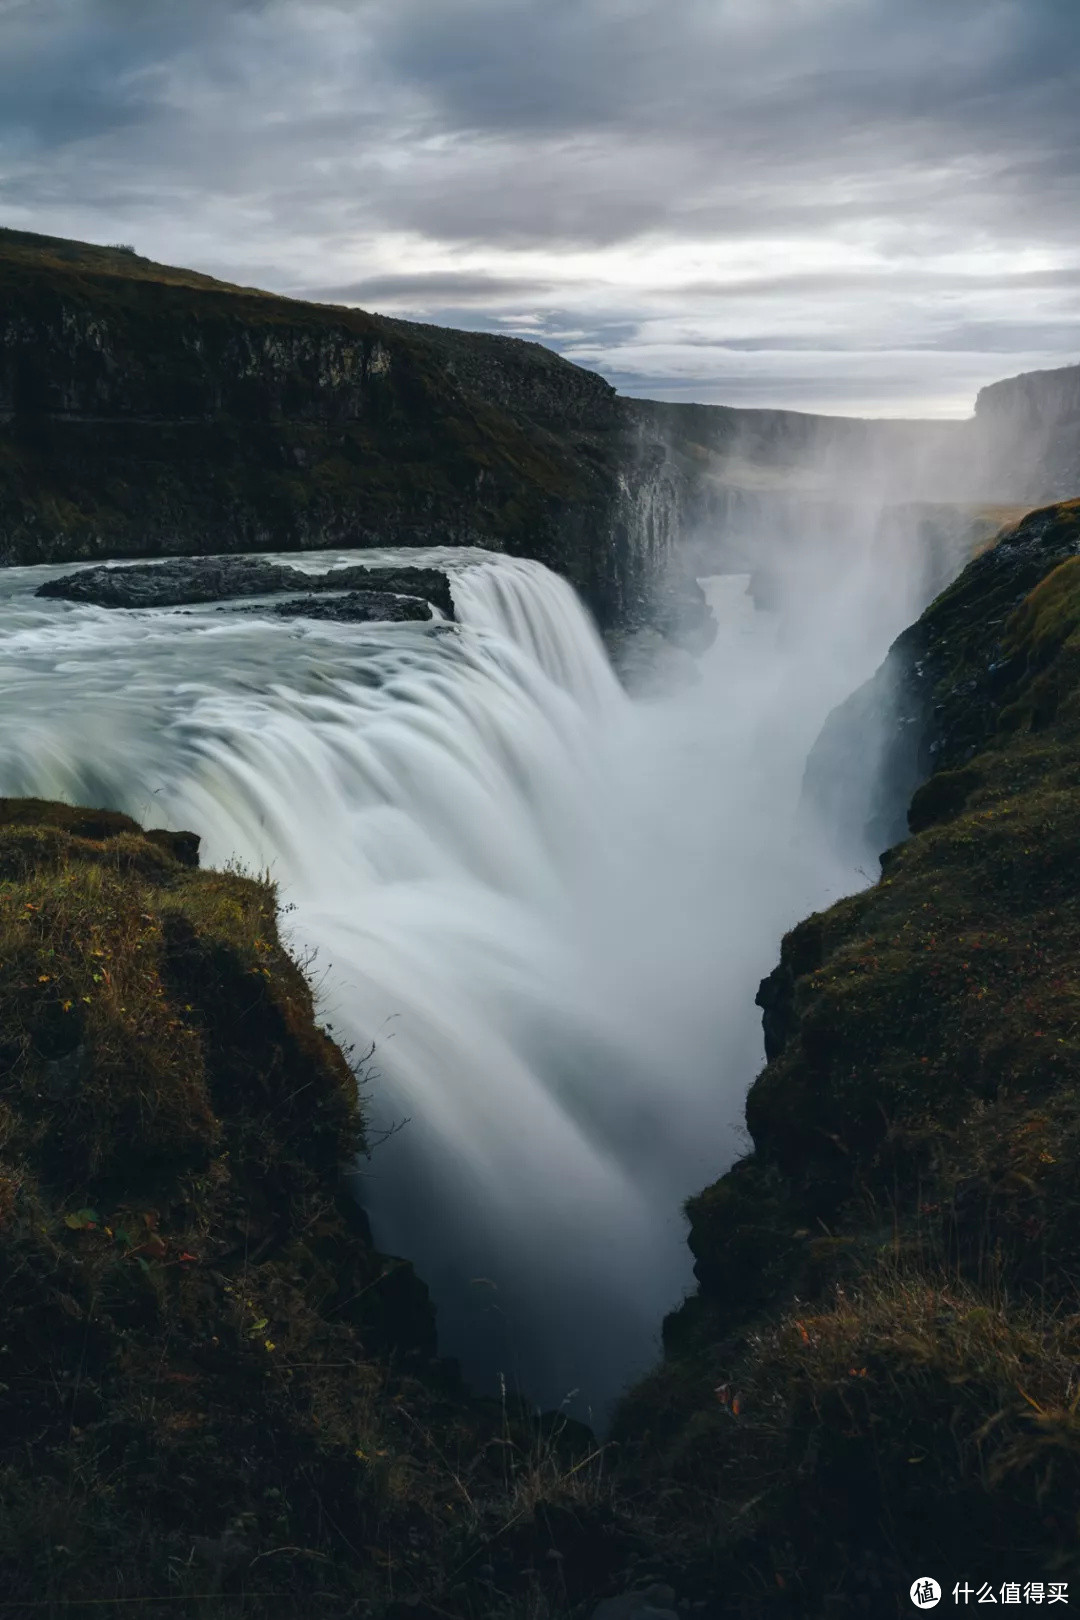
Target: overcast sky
point(867, 206)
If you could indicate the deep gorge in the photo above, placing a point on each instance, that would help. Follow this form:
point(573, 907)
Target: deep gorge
point(536, 908)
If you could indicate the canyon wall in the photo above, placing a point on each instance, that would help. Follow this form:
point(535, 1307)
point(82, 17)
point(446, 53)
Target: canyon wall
point(1027, 436)
point(147, 410)
point(877, 1371)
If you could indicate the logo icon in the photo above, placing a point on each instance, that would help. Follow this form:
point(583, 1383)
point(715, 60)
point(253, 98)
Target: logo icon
point(925, 1593)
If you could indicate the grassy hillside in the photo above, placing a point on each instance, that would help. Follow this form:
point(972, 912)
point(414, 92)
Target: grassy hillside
point(61, 258)
point(216, 1398)
point(878, 1376)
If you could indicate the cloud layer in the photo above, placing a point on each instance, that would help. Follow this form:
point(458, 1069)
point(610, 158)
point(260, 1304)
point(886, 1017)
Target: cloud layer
point(835, 204)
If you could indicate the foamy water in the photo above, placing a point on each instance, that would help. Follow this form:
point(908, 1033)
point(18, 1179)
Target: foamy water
point(547, 905)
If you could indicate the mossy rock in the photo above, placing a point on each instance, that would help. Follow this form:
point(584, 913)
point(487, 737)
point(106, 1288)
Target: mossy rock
point(214, 1390)
point(887, 1284)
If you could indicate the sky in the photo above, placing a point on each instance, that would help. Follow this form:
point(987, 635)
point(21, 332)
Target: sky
point(864, 207)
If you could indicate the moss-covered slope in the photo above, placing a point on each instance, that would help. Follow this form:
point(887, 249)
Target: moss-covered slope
point(879, 1376)
point(215, 1397)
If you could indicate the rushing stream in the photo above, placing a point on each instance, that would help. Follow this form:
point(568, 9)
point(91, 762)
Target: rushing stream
point(547, 905)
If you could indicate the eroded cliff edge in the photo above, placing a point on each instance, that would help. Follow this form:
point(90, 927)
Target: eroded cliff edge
point(146, 410)
point(215, 1395)
point(877, 1376)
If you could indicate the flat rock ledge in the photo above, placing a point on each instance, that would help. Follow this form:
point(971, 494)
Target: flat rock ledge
point(188, 581)
point(355, 607)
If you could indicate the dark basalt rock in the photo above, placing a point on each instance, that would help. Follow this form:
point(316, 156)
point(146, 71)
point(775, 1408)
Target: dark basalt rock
point(187, 581)
point(682, 614)
point(180, 582)
point(148, 411)
point(431, 583)
point(936, 699)
point(357, 607)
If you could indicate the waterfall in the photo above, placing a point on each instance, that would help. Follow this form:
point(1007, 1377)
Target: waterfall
point(547, 906)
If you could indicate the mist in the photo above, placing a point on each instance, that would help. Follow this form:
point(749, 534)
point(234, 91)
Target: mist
point(545, 903)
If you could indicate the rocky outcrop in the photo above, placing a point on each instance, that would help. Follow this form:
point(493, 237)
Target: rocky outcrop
point(934, 701)
point(354, 607)
point(148, 412)
point(213, 1389)
point(649, 665)
point(185, 581)
point(877, 1371)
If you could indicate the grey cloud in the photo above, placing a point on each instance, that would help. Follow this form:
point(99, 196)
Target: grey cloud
point(977, 337)
point(879, 394)
point(904, 278)
point(565, 66)
point(309, 145)
point(648, 116)
point(441, 286)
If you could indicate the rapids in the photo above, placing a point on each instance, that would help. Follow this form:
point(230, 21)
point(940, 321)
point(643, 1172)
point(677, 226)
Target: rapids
point(547, 905)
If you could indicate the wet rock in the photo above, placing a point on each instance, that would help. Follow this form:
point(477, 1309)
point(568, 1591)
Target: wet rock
point(681, 613)
point(431, 583)
point(188, 581)
point(179, 582)
point(356, 607)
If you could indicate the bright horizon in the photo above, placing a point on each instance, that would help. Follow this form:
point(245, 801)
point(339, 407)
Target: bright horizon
point(845, 207)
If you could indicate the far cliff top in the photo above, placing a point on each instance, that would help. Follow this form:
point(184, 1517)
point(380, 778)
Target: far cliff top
point(56, 253)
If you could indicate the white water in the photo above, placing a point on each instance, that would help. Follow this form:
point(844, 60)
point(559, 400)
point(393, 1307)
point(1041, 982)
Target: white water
point(548, 906)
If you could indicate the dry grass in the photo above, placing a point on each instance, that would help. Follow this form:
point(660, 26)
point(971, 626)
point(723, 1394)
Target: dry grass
point(216, 1398)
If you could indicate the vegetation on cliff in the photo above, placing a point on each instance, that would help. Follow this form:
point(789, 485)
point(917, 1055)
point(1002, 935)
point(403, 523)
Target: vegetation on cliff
point(878, 1377)
point(216, 1398)
point(147, 411)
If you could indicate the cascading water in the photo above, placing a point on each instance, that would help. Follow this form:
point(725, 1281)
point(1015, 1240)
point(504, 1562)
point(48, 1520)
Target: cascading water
point(548, 906)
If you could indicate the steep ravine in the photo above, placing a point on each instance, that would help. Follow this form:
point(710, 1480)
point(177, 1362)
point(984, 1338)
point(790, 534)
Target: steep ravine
point(216, 1397)
point(146, 410)
point(226, 1395)
point(877, 1376)
point(215, 1391)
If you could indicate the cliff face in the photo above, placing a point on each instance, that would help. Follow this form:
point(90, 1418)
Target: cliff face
point(898, 719)
point(145, 411)
point(1027, 432)
point(213, 1390)
point(877, 1373)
